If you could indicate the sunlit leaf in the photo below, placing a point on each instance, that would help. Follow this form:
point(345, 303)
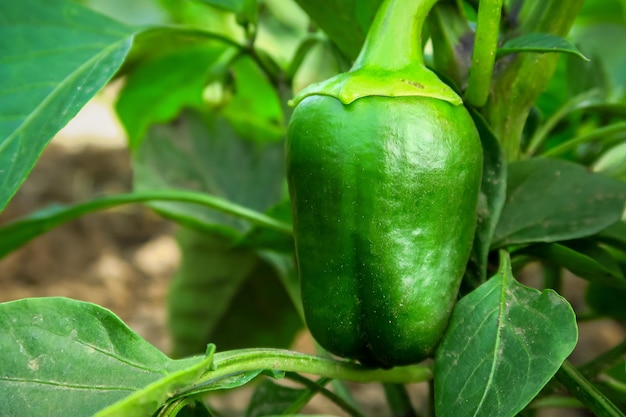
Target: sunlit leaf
point(56, 55)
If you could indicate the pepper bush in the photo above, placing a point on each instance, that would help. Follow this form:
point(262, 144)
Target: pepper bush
point(205, 101)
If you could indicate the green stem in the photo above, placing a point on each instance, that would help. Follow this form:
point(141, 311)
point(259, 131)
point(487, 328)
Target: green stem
point(517, 85)
point(25, 229)
point(605, 361)
point(245, 360)
point(542, 133)
point(587, 137)
point(399, 400)
point(555, 402)
point(393, 42)
point(552, 277)
point(315, 387)
point(586, 392)
point(484, 55)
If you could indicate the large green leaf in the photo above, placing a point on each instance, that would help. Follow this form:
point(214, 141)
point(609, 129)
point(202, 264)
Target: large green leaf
point(504, 343)
point(582, 258)
point(345, 22)
point(272, 399)
point(66, 357)
point(228, 296)
point(54, 56)
point(204, 154)
point(551, 200)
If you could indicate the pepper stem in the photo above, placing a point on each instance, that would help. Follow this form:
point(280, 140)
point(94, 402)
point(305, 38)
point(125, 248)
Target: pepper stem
point(391, 63)
point(394, 40)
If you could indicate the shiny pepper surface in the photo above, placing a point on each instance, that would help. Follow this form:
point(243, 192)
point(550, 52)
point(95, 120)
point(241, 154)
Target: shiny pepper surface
point(384, 192)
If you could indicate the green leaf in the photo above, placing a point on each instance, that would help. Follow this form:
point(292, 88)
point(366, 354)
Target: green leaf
point(345, 22)
point(261, 314)
point(614, 235)
point(21, 231)
point(613, 162)
point(254, 110)
point(606, 300)
point(228, 296)
point(202, 289)
point(229, 5)
point(185, 407)
point(538, 42)
point(157, 89)
point(145, 401)
point(604, 43)
point(551, 200)
point(56, 55)
point(490, 201)
point(582, 258)
point(504, 343)
point(204, 154)
point(264, 238)
point(67, 357)
point(270, 398)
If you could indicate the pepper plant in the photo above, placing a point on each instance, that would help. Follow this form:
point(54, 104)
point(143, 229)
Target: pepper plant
point(432, 150)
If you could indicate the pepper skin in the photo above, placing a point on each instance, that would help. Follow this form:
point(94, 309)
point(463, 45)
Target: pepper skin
point(384, 193)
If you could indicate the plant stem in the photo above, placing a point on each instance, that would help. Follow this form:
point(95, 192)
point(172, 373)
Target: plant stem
point(584, 138)
point(315, 387)
point(399, 401)
point(484, 55)
point(542, 133)
point(395, 46)
point(245, 360)
point(605, 361)
point(39, 222)
point(520, 82)
point(586, 392)
point(552, 277)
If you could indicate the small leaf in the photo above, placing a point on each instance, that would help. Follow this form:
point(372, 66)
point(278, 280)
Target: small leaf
point(504, 343)
point(550, 200)
point(56, 55)
point(538, 42)
point(66, 357)
point(584, 259)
